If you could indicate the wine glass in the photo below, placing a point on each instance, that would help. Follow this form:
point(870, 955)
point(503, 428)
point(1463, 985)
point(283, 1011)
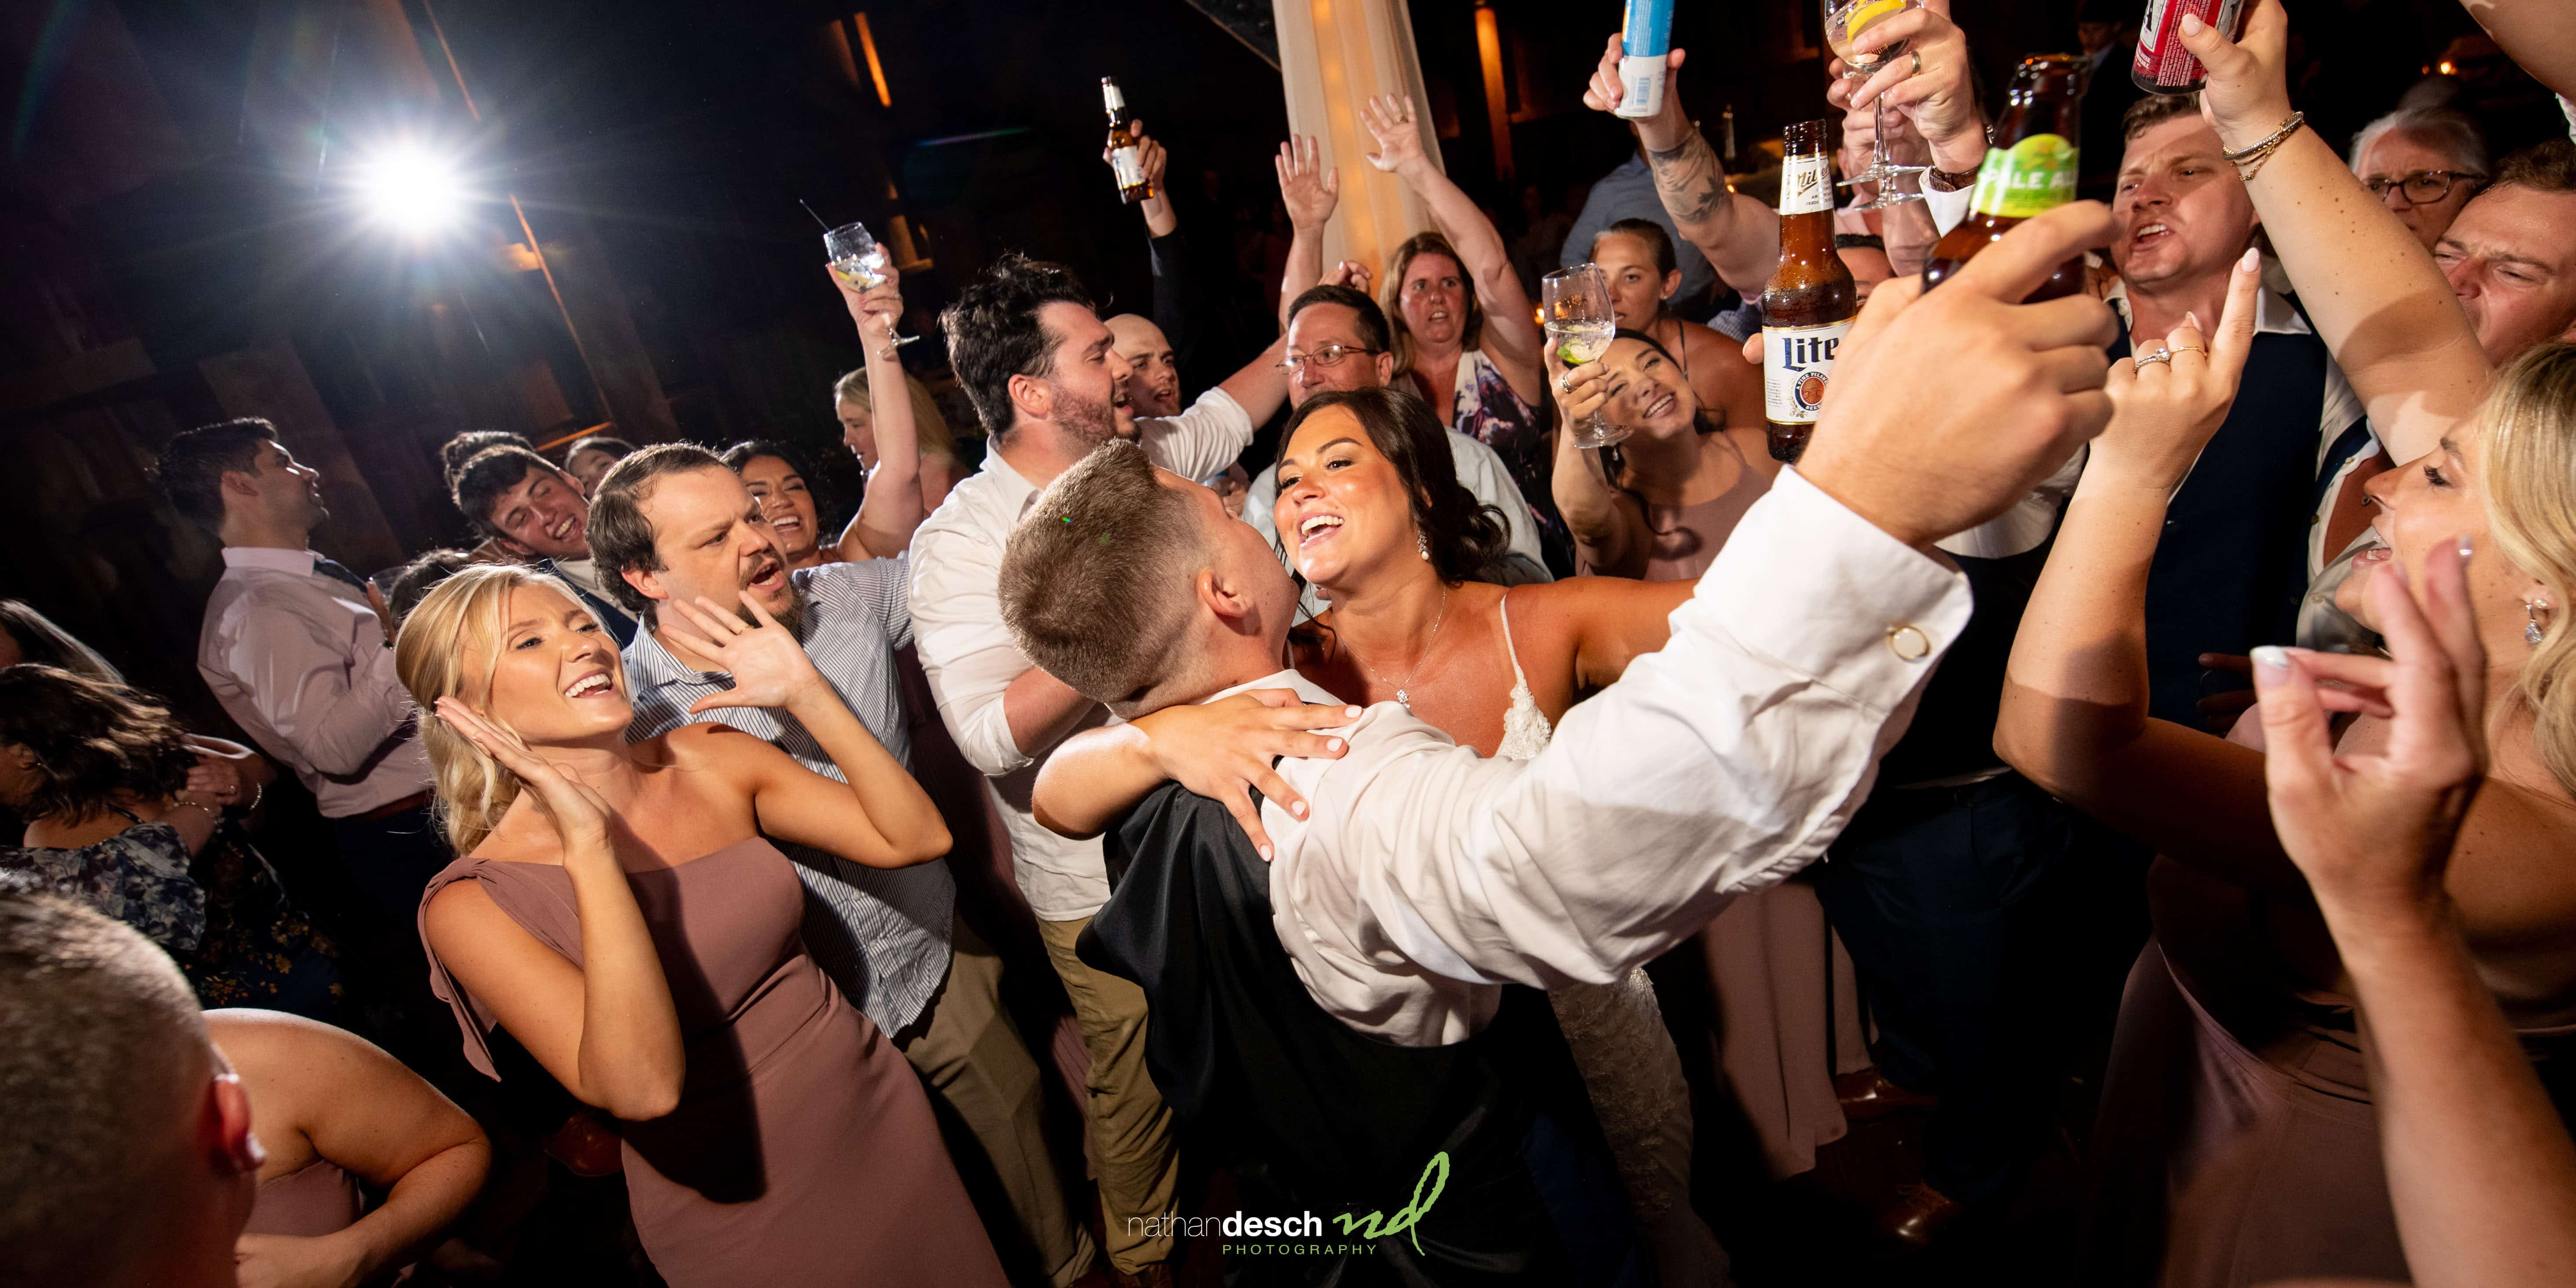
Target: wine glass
point(1842, 27)
point(857, 256)
point(1575, 307)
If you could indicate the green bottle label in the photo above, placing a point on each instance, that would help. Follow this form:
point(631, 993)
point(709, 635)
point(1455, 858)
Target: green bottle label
point(2031, 177)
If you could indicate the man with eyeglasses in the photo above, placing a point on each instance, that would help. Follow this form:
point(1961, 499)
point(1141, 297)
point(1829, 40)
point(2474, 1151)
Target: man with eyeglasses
point(2511, 254)
point(2425, 162)
point(1338, 339)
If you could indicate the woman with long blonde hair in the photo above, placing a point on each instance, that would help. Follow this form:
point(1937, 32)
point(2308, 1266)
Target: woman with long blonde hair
point(2237, 1141)
point(620, 912)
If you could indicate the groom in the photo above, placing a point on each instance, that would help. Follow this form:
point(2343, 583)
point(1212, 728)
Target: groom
point(1335, 1020)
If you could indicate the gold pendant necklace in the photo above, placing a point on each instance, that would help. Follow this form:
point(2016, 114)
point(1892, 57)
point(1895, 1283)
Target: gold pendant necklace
point(1403, 694)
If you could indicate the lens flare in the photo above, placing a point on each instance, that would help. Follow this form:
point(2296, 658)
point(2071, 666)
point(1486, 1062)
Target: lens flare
point(412, 189)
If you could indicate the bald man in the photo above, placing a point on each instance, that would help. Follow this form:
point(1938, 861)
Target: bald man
point(1154, 382)
point(126, 1154)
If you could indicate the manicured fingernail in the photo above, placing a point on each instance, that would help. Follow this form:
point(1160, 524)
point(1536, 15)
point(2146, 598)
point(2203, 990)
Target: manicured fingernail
point(2191, 319)
point(1332, 744)
point(2192, 24)
point(2252, 260)
point(1352, 712)
point(2271, 660)
point(2467, 548)
point(1299, 809)
point(1265, 854)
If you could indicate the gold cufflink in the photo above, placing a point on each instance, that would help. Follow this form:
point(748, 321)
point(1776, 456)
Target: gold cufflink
point(1908, 642)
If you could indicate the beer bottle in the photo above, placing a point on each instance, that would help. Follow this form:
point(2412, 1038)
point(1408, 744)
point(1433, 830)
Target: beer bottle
point(1808, 304)
point(2030, 170)
point(2163, 65)
point(1126, 160)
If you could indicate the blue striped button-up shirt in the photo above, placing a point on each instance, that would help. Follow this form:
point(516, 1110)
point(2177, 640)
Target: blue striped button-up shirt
point(880, 933)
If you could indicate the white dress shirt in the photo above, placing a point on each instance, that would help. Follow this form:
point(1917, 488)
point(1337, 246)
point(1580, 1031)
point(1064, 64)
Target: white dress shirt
point(299, 661)
point(970, 659)
point(1480, 469)
point(1425, 877)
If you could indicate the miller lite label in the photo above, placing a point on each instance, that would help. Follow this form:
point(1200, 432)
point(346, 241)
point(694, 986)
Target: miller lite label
point(1797, 361)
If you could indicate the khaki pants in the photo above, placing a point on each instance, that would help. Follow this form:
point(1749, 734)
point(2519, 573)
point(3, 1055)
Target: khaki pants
point(969, 1053)
point(1131, 1127)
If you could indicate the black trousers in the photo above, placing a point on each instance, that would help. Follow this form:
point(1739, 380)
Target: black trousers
point(391, 859)
point(1964, 908)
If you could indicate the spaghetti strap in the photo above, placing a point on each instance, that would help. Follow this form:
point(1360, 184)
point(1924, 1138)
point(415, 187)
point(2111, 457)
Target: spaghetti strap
point(1503, 608)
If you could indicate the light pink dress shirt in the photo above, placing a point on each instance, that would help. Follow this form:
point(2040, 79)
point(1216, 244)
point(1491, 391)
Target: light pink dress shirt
point(299, 661)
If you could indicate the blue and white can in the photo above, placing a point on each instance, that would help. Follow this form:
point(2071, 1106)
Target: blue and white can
point(1643, 42)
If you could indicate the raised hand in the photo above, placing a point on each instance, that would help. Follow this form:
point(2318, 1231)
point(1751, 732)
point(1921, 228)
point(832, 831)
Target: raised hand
point(2164, 412)
point(1579, 391)
point(876, 309)
point(1350, 273)
point(1925, 443)
point(2248, 93)
point(2373, 833)
point(1928, 84)
point(1223, 750)
point(1150, 156)
point(769, 668)
point(579, 815)
point(1399, 140)
point(1309, 188)
point(1607, 90)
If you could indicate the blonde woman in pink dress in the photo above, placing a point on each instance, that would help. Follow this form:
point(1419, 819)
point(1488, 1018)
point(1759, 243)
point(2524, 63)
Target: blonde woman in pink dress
point(621, 912)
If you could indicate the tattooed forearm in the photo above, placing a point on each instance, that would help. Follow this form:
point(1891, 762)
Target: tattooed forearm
point(1689, 180)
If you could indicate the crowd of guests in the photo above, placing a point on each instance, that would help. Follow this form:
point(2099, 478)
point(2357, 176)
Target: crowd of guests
point(1439, 849)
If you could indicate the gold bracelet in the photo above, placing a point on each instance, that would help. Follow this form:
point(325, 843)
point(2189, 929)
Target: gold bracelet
point(2249, 160)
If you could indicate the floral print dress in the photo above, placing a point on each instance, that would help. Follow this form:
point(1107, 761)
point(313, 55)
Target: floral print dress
point(221, 914)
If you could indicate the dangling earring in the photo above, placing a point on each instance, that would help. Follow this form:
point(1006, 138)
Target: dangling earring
point(1423, 544)
point(2531, 610)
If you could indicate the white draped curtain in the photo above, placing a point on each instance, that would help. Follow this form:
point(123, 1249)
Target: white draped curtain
point(1332, 54)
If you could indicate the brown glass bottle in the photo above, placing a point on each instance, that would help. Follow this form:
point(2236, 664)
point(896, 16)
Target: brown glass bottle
point(1126, 160)
point(2030, 170)
point(1808, 304)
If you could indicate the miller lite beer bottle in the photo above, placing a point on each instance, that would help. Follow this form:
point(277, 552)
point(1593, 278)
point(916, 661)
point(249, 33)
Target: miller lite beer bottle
point(1807, 306)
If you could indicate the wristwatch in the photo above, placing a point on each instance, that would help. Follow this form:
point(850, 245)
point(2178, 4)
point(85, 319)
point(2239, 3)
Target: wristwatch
point(1949, 180)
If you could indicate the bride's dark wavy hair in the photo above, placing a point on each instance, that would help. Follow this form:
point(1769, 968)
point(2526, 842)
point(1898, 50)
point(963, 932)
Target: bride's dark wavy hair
point(1467, 537)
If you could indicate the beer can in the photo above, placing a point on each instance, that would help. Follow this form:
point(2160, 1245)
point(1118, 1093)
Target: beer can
point(1643, 42)
point(2163, 64)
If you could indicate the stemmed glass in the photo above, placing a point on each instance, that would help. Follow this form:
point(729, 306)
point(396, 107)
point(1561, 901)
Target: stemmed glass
point(1843, 26)
point(857, 256)
point(1576, 309)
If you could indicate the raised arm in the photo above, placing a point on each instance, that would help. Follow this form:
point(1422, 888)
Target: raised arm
point(892, 508)
point(877, 815)
point(1311, 190)
point(2375, 296)
point(1609, 526)
point(606, 1029)
point(1511, 326)
point(2074, 713)
point(1740, 235)
point(2535, 34)
point(2480, 1168)
point(361, 1110)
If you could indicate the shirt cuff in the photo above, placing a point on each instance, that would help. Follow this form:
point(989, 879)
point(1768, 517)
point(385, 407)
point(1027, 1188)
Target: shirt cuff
point(1828, 595)
point(1948, 208)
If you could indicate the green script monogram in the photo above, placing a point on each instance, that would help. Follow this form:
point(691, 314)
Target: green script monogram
point(1377, 1225)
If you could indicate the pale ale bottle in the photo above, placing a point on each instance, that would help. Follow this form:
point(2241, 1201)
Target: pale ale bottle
point(2030, 170)
point(1807, 307)
point(1126, 160)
